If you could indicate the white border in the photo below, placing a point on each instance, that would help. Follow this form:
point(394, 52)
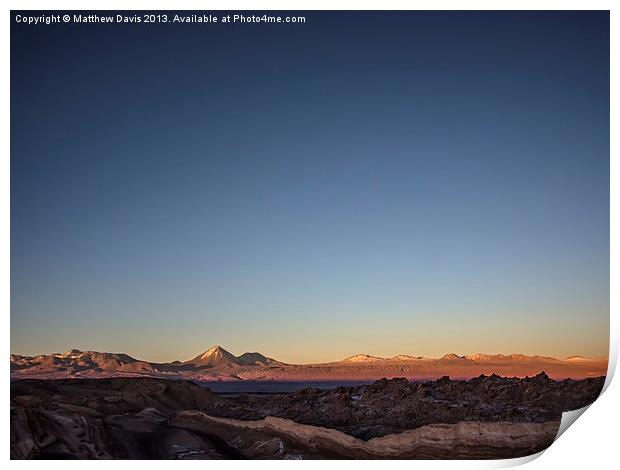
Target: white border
point(591, 443)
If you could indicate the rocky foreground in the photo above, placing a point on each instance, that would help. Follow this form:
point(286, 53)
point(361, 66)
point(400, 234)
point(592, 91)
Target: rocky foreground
point(486, 417)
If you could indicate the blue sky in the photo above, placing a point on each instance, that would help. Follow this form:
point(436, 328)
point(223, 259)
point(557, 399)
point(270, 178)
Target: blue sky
point(387, 184)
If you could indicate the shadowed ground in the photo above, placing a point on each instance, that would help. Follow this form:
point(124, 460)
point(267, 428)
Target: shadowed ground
point(486, 417)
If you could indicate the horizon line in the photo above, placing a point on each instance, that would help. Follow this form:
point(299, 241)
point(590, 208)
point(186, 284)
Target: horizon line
point(371, 356)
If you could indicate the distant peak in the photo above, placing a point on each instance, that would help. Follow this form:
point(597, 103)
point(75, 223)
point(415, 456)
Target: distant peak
point(215, 351)
point(362, 358)
point(252, 355)
point(479, 357)
point(510, 357)
point(255, 358)
point(72, 352)
point(215, 355)
point(451, 356)
point(575, 358)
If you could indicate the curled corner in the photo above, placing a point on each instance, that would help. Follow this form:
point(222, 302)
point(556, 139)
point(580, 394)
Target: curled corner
point(568, 418)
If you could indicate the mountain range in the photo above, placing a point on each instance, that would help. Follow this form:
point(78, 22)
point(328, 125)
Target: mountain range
point(217, 364)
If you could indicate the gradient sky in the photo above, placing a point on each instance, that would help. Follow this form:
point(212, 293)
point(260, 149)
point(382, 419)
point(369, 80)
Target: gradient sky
point(416, 183)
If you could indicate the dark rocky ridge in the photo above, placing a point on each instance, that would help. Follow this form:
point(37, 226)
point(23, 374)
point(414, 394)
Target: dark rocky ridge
point(135, 417)
point(396, 405)
point(106, 418)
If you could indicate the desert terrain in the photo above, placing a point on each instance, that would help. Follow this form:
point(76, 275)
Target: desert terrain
point(93, 405)
point(217, 364)
point(127, 418)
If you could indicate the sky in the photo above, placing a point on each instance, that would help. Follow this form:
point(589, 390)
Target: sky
point(379, 183)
